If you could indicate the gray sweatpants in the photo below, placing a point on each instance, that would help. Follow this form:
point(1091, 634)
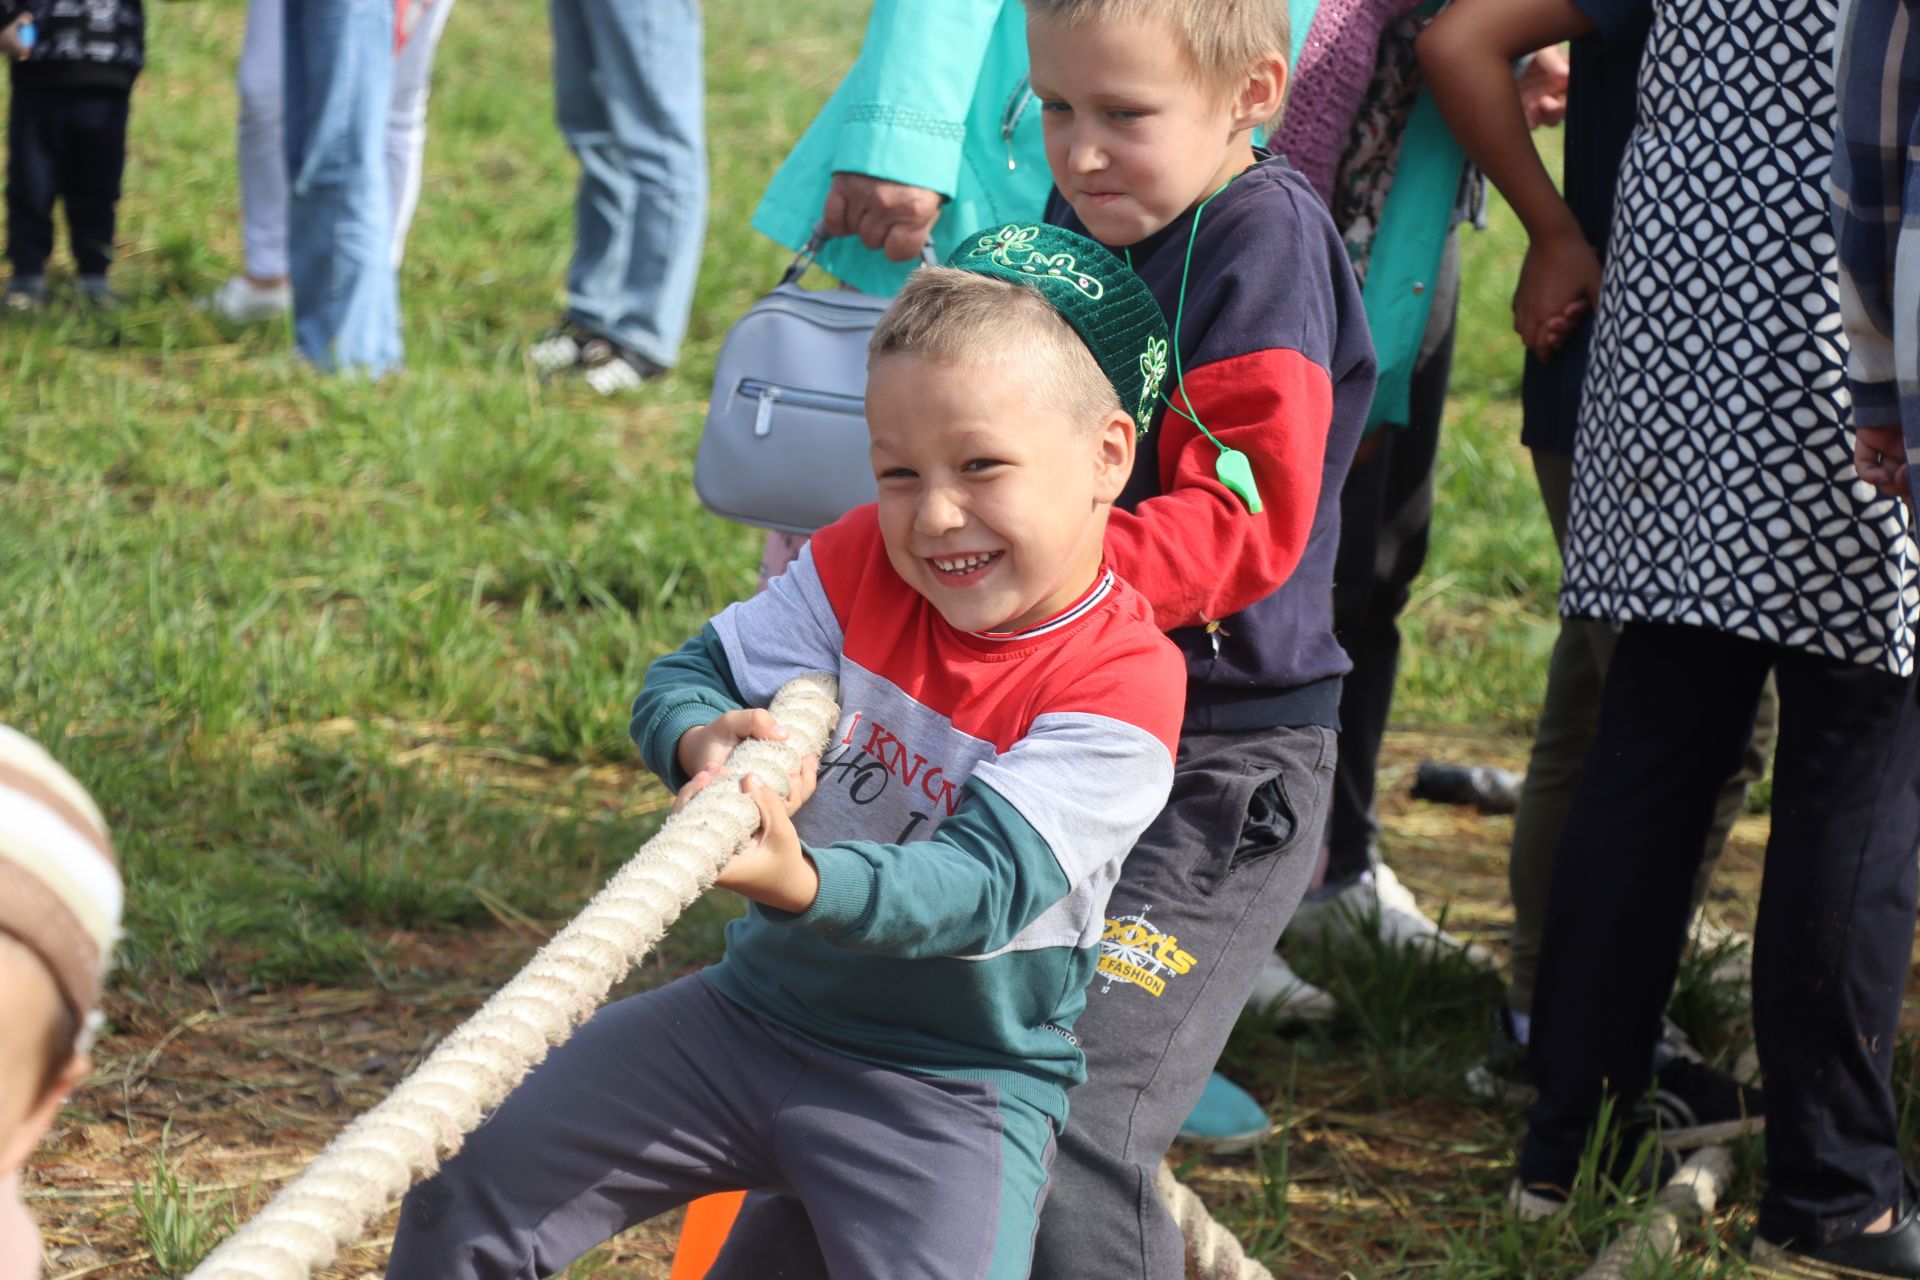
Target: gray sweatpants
point(1200, 904)
point(679, 1092)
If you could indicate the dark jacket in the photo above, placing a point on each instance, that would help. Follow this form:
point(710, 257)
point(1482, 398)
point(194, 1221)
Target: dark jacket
point(81, 44)
point(1273, 338)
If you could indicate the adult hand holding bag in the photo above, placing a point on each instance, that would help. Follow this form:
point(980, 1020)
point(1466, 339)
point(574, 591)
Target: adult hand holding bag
point(785, 442)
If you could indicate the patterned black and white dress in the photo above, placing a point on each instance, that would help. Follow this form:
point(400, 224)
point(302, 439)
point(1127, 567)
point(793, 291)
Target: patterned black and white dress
point(1714, 481)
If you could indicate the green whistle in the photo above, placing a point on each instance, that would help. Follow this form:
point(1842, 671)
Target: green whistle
point(1235, 472)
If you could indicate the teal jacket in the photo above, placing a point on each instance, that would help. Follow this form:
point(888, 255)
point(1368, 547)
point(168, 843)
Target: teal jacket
point(937, 99)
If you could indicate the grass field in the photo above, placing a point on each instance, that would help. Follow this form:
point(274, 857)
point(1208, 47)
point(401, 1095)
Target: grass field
point(348, 667)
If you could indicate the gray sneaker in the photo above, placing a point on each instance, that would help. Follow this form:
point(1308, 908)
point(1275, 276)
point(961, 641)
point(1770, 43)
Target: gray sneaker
point(1506, 1076)
point(98, 294)
point(26, 293)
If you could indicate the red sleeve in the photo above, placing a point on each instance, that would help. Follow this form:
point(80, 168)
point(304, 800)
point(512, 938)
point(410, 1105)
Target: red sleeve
point(851, 559)
point(1195, 552)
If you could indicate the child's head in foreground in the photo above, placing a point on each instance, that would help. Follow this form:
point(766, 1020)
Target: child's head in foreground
point(60, 903)
point(1149, 106)
point(1002, 431)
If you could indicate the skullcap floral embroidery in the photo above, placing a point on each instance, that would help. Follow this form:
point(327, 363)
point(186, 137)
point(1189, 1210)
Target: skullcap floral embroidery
point(1109, 306)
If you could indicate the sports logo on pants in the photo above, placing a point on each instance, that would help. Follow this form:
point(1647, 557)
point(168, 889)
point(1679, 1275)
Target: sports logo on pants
point(1133, 951)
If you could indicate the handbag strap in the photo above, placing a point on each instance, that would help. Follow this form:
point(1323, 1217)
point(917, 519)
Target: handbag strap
point(818, 241)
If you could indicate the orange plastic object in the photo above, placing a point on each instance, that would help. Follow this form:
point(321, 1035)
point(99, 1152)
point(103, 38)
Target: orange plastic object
point(708, 1220)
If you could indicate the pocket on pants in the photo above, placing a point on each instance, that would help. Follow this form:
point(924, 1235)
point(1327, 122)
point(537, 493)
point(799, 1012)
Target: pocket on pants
point(1269, 824)
point(1252, 819)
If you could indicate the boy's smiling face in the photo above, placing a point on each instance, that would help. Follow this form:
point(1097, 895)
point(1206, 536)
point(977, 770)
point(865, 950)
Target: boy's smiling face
point(993, 500)
point(1133, 136)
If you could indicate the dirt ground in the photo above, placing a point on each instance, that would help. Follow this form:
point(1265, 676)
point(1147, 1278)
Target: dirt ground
point(237, 1090)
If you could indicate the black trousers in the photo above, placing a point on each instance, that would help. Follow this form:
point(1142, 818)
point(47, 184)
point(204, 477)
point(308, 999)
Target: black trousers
point(1386, 508)
point(1836, 916)
point(69, 145)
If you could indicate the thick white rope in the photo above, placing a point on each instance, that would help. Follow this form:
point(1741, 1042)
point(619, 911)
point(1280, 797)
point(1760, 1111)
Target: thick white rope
point(407, 1136)
point(1689, 1197)
point(1212, 1251)
point(404, 1139)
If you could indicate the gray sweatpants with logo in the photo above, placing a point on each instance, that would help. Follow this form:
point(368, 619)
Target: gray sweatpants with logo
point(1201, 901)
point(680, 1092)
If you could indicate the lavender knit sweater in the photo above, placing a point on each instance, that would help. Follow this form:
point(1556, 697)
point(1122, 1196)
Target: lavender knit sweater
point(1329, 81)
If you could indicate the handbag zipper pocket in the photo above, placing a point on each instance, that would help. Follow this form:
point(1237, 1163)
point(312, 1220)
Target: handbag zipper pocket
point(769, 394)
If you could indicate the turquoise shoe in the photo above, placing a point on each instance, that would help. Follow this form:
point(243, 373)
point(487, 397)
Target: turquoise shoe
point(1226, 1119)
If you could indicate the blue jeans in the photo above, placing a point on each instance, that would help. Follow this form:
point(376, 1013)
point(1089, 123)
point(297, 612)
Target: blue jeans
point(629, 96)
point(346, 305)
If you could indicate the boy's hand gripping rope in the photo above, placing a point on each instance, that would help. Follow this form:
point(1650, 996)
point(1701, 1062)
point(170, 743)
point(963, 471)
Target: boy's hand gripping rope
point(404, 1139)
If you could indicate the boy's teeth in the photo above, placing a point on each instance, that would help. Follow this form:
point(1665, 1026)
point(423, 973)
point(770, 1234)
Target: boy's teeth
point(963, 564)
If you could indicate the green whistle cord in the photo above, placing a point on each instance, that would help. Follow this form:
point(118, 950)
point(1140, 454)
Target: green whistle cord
point(1233, 469)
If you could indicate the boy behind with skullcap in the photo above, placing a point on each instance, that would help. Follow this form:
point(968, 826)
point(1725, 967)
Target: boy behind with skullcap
point(60, 905)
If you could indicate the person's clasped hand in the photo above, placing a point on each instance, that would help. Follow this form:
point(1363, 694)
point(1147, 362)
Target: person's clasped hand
point(1543, 88)
point(1559, 285)
point(773, 869)
point(892, 217)
point(10, 42)
point(1879, 455)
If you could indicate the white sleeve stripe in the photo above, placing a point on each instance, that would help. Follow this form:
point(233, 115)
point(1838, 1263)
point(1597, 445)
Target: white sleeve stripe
point(786, 630)
point(1086, 783)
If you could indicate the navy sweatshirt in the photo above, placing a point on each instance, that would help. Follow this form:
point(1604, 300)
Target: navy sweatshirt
point(81, 44)
point(1279, 365)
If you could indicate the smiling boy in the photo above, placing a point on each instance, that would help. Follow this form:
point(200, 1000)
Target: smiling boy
point(890, 1034)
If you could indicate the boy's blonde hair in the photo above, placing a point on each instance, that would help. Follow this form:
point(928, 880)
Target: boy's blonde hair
point(1224, 38)
point(953, 317)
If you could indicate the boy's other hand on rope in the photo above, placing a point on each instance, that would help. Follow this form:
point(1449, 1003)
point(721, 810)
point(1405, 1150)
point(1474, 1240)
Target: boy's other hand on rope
point(710, 744)
point(773, 868)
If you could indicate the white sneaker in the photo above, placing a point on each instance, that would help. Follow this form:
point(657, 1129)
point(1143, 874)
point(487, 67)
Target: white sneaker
point(560, 349)
point(614, 375)
point(1281, 993)
point(1378, 895)
point(241, 301)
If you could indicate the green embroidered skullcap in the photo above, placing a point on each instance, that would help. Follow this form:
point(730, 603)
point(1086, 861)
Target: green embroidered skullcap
point(1107, 304)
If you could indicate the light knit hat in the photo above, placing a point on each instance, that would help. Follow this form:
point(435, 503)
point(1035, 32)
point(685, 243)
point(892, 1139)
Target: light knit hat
point(60, 889)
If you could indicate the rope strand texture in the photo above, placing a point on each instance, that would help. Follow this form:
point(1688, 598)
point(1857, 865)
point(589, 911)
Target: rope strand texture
point(1690, 1196)
point(1212, 1251)
point(404, 1139)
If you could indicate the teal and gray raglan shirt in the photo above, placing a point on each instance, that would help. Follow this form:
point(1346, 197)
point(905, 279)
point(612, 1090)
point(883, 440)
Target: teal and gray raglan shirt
point(973, 809)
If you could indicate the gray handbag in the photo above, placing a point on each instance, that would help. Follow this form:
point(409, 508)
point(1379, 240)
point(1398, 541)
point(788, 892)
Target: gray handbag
point(785, 443)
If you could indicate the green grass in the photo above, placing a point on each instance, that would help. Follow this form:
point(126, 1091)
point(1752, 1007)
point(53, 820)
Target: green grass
point(344, 661)
point(178, 1223)
point(214, 554)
